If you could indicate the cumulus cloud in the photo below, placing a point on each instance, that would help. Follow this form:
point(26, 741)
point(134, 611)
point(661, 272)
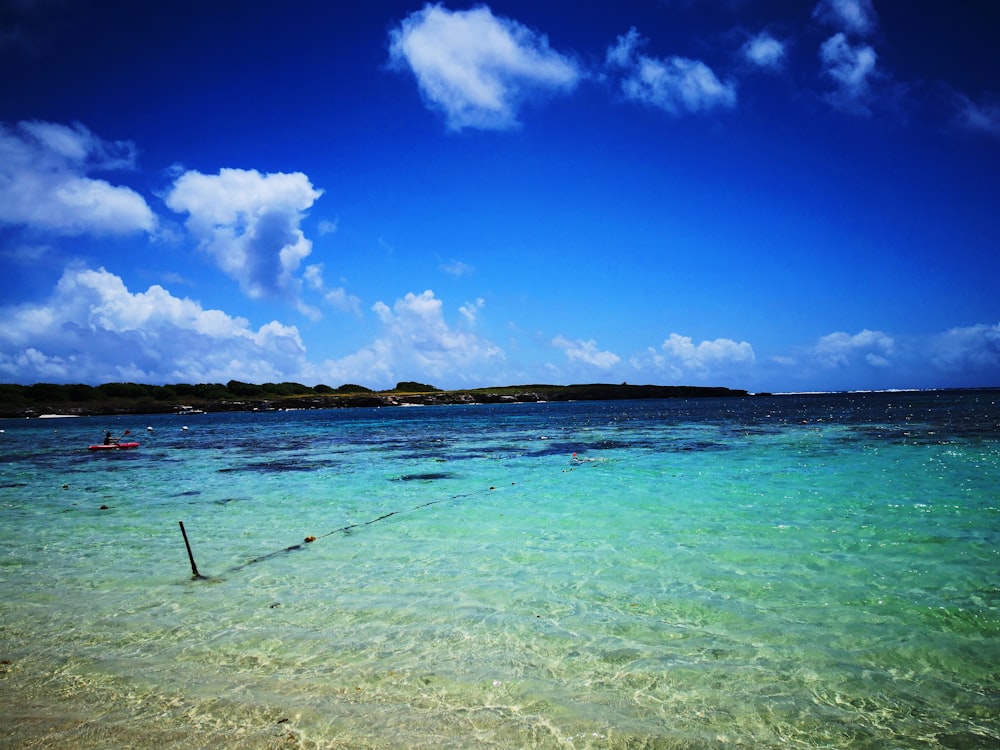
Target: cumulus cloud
point(958, 357)
point(842, 349)
point(249, 224)
point(676, 85)
point(416, 342)
point(313, 276)
point(44, 183)
point(93, 329)
point(971, 349)
point(478, 69)
point(852, 68)
point(680, 358)
point(683, 351)
point(764, 51)
point(586, 352)
point(853, 16)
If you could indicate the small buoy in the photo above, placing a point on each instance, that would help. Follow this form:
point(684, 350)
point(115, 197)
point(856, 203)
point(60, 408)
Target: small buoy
point(149, 429)
point(184, 427)
point(310, 539)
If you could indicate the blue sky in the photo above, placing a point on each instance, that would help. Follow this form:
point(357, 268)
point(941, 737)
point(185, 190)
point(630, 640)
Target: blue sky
point(778, 196)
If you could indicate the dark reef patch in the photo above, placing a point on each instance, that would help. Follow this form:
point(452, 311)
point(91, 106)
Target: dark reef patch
point(429, 476)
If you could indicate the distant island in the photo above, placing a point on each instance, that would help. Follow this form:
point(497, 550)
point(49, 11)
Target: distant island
point(50, 399)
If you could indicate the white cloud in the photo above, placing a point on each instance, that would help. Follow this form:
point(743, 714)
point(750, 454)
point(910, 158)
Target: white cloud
point(852, 68)
point(853, 16)
point(680, 359)
point(338, 298)
point(978, 118)
point(682, 351)
point(958, 357)
point(26, 253)
point(93, 329)
point(973, 348)
point(470, 310)
point(457, 268)
point(44, 182)
point(586, 352)
point(476, 68)
point(764, 51)
point(416, 343)
point(313, 276)
point(623, 54)
point(677, 85)
point(842, 349)
point(249, 224)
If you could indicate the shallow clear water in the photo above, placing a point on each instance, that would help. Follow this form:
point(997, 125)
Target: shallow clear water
point(795, 571)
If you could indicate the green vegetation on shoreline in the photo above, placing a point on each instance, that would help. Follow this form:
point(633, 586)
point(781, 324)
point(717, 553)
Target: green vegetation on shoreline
point(135, 398)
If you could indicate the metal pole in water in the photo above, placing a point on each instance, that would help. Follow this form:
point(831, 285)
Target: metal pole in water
point(194, 568)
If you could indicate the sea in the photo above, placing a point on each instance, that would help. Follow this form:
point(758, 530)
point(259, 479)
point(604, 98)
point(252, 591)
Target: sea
point(787, 571)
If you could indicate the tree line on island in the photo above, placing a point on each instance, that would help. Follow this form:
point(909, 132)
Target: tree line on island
point(111, 398)
point(80, 393)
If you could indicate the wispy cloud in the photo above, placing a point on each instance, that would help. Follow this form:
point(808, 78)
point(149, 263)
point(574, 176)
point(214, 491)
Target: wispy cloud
point(457, 268)
point(853, 16)
point(470, 310)
point(852, 69)
point(676, 85)
point(93, 329)
point(44, 182)
point(849, 64)
point(478, 69)
point(977, 117)
point(248, 223)
point(338, 298)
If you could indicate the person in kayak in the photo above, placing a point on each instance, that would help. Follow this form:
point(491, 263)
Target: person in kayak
point(108, 440)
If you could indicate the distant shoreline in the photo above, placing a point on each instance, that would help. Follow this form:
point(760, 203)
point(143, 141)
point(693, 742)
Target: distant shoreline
point(118, 405)
point(14, 405)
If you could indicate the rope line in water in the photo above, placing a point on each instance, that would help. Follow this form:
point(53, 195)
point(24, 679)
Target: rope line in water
point(347, 529)
point(577, 462)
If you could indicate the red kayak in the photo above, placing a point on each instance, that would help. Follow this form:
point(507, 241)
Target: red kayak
point(112, 446)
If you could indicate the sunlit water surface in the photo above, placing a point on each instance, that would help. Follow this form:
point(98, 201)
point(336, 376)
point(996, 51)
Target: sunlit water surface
point(769, 572)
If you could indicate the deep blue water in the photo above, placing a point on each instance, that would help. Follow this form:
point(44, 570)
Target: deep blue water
point(793, 571)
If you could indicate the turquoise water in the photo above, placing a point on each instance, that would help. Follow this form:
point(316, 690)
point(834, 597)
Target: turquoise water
point(770, 572)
